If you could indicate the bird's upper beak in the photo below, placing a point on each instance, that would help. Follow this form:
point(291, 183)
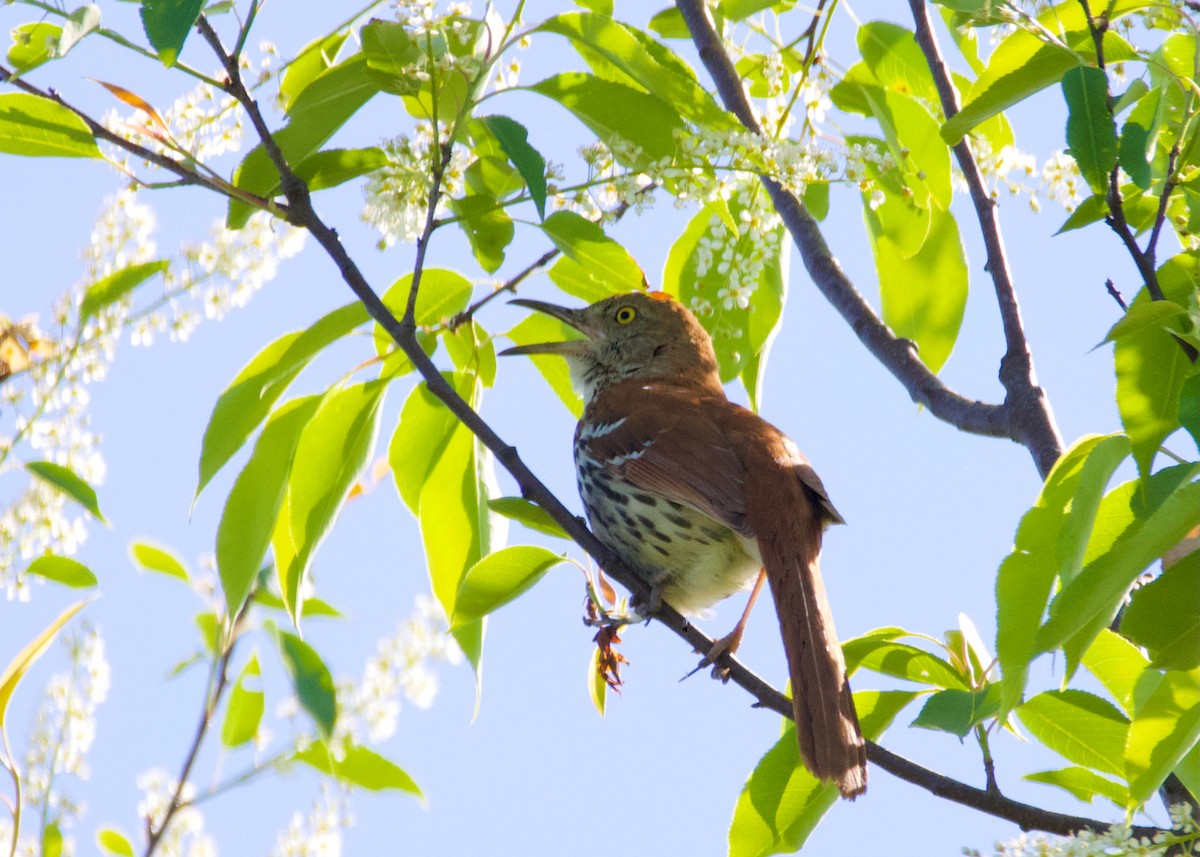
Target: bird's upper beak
point(573, 317)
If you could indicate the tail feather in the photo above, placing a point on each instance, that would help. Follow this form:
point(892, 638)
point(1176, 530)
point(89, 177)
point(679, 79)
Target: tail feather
point(831, 743)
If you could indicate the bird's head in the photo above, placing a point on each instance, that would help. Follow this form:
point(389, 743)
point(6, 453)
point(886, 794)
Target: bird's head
point(645, 335)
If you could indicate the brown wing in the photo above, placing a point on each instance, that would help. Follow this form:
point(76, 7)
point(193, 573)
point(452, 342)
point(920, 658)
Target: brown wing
point(664, 440)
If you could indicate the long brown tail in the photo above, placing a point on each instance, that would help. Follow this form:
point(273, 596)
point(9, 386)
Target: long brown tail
point(831, 743)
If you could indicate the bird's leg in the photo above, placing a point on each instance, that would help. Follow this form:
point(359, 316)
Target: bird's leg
point(728, 644)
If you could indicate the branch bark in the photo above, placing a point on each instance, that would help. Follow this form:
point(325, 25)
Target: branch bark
point(1026, 402)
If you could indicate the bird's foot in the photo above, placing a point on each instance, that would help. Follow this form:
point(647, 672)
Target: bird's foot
point(643, 607)
point(716, 655)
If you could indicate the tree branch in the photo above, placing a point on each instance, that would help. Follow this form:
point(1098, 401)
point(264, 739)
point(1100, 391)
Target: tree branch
point(404, 333)
point(897, 355)
point(1028, 407)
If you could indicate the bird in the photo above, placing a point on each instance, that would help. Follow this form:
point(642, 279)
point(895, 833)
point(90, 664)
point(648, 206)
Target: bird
point(700, 496)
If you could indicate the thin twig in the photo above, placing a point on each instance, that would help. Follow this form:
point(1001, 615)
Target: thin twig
point(404, 334)
point(212, 700)
point(1116, 295)
point(1028, 407)
point(187, 175)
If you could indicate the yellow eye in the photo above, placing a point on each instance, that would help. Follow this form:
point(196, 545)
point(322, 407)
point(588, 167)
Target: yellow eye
point(626, 314)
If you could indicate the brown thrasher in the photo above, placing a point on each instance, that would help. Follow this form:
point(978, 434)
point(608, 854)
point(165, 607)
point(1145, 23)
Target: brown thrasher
point(697, 494)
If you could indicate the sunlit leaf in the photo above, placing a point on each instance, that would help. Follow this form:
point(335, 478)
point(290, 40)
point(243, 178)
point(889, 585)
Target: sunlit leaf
point(27, 657)
point(359, 766)
point(1090, 132)
point(153, 558)
point(782, 803)
point(334, 446)
point(30, 125)
point(252, 508)
point(1080, 727)
point(1165, 728)
point(64, 570)
point(112, 841)
point(248, 399)
point(310, 678)
point(959, 711)
point(33, 44)
point(499, 578)
point(67, 481)
point(513, 140)
point(1164, 616)
point(116, 286)
point(1084, 784)
point(246, 704)
point(529, 514)
point(333, 167)
point(584, 242)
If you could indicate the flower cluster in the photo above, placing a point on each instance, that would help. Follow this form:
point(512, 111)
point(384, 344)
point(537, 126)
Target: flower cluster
point(737, 258)
point(397, 194)
point(184, 836)
point(65, 729)
point(1117, 841)
point(367, 711)
point(318, 834)
point(1062, 182)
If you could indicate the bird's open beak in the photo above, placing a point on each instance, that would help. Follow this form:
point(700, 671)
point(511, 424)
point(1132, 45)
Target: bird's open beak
point(571, 317)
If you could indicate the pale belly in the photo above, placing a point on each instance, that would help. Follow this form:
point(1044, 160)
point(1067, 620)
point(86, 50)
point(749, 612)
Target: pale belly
point(692, 559)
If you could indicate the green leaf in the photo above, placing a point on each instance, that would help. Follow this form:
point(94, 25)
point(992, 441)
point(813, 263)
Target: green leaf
point(456, 524)
point(419, 440)
point(541, 328)
point(312, 60)
point(1080, 727)
point(247, 400)
point(736, 10)
point(39, 127)
point(252, 509)
point(390, 53)
point(693, 274)
point(597, 685)
point(529, 514)
point(333, 167)
point(317, 111)
point(1164, 730)
point(246, 705)
point(84, 20)
point(618, 114)
point(1023, 63)
point(112, 841)
point(33, 44)
point(902, 661)
point(65, 479)
point(604, 7)
point(27, 657)
point(622, 54)
point(63, 570)
point(313, 607)
point(1151, 367)
point(211, 632)
point(472, 348)
point(1050, 541)
point(1084, 784)
point(488, 228)
point(1134, 140)
point(924, 296)
point(167, 24)
point(895, 59)
point(52, 840)
point(333, 448)
point(1164, 616)
point(1091, 136)
point(310, 678)
point(781, 803)
point(1163, 513)
point(359, 766)
point(442, 295)
point(1189, 407)
point(669, 24)
point(1119, 665)
point(958, 711)
point(153, 558)
point(499, 578)
point(584, 242)
point(116, 286)
point(513, 139)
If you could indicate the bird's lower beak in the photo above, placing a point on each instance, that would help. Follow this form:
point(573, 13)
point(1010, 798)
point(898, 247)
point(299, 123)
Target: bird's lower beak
point(571, 317)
